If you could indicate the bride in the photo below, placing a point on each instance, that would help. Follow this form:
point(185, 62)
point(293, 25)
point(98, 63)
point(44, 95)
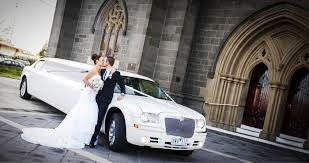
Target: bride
point(76, 130)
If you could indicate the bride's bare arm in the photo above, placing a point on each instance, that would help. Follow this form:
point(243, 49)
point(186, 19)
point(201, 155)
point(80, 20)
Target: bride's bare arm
point(88, 76)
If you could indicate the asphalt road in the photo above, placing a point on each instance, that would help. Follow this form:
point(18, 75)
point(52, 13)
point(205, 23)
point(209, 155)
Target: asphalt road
point(16, 113)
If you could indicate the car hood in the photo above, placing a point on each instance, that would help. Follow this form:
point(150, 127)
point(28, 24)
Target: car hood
point(159, 106)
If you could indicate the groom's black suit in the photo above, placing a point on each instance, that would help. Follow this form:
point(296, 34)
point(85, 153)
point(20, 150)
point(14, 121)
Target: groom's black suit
point(105, 96)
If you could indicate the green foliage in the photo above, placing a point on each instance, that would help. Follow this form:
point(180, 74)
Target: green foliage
point(10, 72)
point(157, 82)
point(42, 53)
point(149, 89)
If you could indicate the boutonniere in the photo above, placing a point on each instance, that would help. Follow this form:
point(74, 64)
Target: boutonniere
point(110, 75)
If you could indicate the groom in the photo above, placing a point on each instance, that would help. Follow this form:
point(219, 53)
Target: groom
point(104, 97)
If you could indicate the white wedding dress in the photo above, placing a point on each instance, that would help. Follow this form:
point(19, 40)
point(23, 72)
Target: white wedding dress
point(75, 130)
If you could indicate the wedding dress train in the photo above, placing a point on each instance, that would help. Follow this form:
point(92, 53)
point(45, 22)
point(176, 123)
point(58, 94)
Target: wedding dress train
point(75, 130)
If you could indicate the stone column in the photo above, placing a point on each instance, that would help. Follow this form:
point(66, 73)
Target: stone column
point(226, 106)
point(274, 113)
point(56, 28)
point(170, 41)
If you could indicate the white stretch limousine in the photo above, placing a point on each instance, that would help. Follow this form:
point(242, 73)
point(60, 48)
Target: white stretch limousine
point(146, 116)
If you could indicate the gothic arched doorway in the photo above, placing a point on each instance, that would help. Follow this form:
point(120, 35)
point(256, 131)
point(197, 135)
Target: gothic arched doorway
point(296, 118)
point(277, 37)
point(257, 99)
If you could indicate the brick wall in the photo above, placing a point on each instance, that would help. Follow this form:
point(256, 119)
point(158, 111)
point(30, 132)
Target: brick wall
point(170, 41)
point(153, 37)
point(184, 47)
point(132, 44)
point(84, 38)
point(56, 28)
point(77, 42)
point(68, 27)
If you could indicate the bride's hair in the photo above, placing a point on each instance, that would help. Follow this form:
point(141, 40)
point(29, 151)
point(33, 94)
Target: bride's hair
point(95, 57)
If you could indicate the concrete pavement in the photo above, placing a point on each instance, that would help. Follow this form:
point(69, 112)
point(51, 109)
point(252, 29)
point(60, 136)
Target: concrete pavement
point(219, 148)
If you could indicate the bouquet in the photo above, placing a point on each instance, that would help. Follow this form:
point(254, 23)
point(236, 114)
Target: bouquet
point(96, 84)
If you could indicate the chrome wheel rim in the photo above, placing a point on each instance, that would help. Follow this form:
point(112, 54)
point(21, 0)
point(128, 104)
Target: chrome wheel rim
point(111, 133)
point(23, 88)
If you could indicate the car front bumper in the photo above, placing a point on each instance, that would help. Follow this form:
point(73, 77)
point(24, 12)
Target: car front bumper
point(157, 138)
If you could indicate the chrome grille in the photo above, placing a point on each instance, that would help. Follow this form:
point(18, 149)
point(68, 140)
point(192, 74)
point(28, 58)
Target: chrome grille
point(180, 127)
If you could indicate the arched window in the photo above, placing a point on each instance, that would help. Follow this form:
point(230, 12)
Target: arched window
point(112, 26)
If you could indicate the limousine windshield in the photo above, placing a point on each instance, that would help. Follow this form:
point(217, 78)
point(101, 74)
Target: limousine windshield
point(144, 86)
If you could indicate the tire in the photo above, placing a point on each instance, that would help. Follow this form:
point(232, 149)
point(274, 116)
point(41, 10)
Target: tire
point(184, 152)
point(117, 140)
point(23, 92)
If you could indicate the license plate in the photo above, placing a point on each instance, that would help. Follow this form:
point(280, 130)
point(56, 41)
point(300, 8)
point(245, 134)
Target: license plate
point(179, 141)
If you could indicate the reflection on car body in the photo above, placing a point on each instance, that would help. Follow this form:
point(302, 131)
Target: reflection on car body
point(147, 116)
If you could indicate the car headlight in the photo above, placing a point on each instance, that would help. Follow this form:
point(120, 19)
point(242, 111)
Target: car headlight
point(149, 118)
point(200, 123)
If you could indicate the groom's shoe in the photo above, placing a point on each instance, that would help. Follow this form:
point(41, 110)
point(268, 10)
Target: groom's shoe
point(88, 145)
point(91, 145)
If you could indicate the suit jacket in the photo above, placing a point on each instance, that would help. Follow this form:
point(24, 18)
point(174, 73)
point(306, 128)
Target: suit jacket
point(105, 95)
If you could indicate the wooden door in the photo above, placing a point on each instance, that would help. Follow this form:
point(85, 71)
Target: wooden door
point(296, 118)
point(257, 98)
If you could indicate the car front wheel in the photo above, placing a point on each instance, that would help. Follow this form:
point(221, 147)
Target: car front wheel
point(23, 89)
point(117, 140)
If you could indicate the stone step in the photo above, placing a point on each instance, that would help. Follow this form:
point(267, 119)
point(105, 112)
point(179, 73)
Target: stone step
point(289, 142)
point(247, 132)
point(292, 138)
point(250, 128)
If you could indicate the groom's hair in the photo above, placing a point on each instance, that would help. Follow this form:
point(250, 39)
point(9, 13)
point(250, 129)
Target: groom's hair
point(110, 60)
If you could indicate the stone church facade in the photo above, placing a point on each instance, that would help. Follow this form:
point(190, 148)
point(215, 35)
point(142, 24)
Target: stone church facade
point(238, 62)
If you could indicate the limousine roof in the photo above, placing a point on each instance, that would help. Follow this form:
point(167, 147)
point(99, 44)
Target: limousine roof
point(88, 67)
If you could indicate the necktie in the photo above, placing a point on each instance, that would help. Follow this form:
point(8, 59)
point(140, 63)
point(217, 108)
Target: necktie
point(106, 74)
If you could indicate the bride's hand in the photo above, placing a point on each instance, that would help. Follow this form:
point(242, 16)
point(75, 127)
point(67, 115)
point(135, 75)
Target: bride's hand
point(87, 84)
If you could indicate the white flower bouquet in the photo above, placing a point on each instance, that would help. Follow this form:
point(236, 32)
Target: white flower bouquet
point(96, 84)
